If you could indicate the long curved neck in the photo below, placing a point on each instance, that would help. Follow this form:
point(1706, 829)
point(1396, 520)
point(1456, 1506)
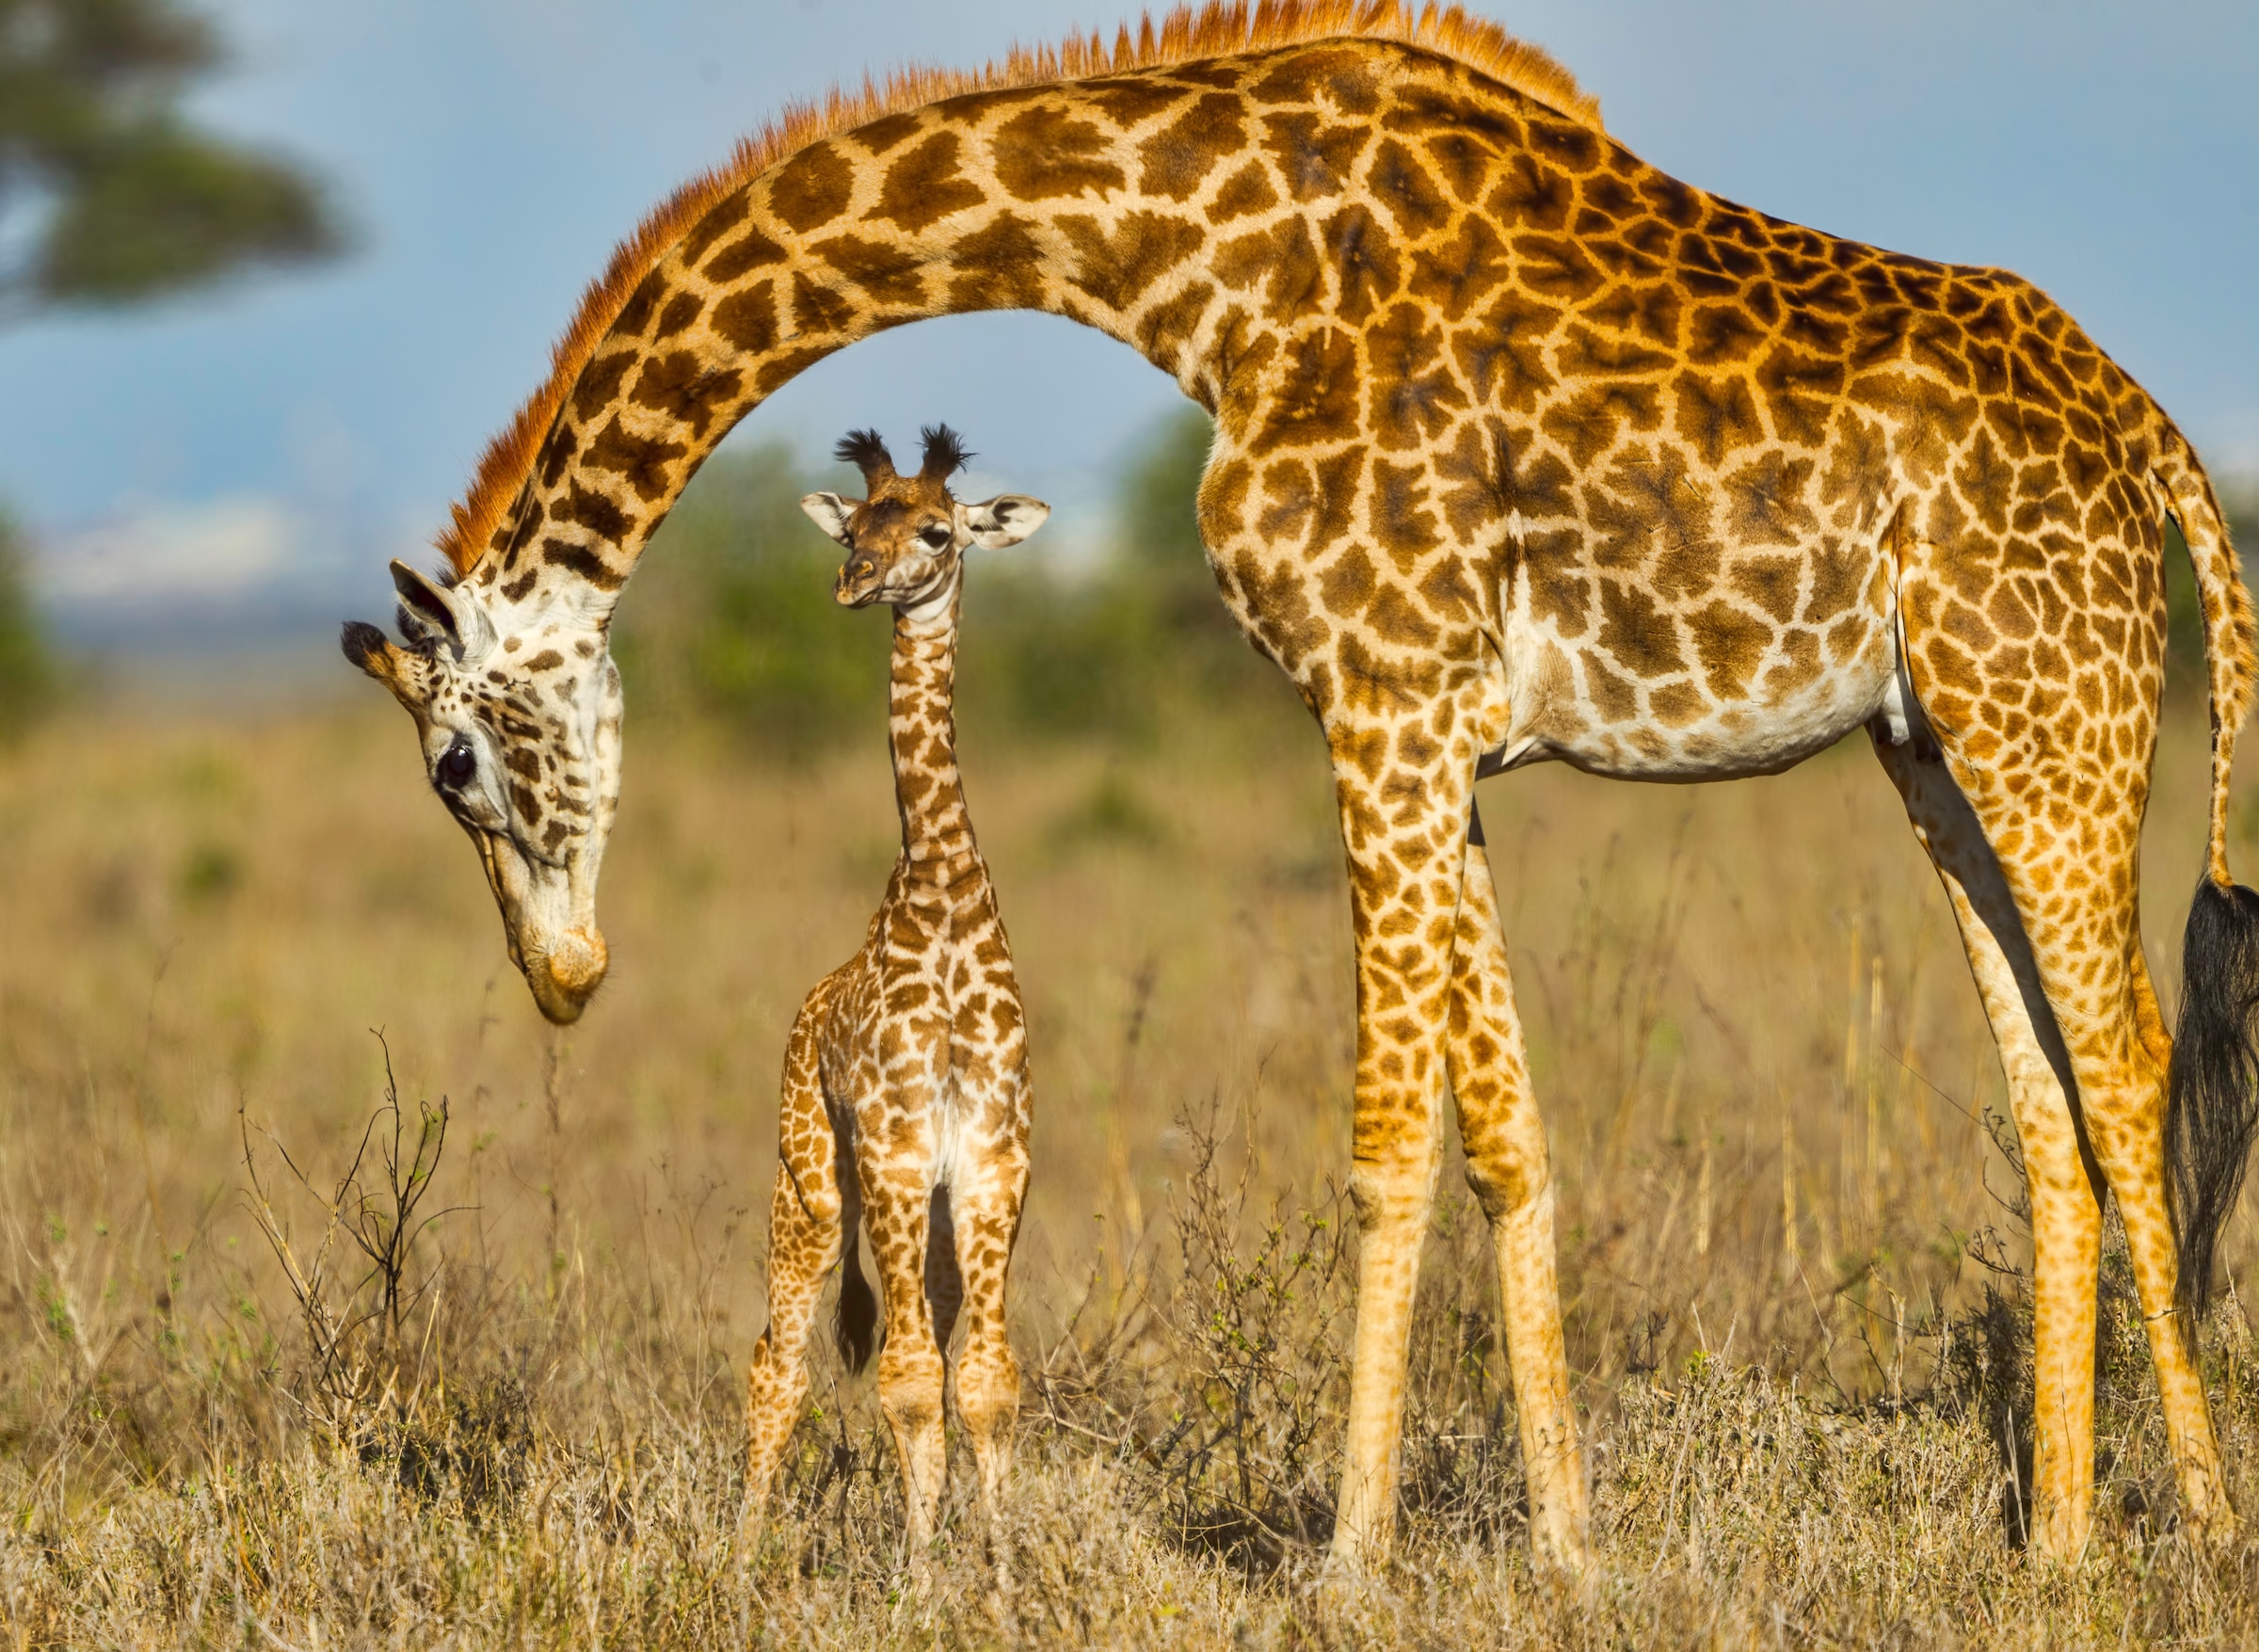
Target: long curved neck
point(922, 731)
point(1046, 201)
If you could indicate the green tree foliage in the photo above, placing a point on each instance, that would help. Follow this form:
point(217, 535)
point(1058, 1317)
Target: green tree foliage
point(732, 619)
point(1146, 646)
point(109, 196)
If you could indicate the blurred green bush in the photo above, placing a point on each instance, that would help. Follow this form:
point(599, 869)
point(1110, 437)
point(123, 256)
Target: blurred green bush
point(731, 619)
point(27, 667)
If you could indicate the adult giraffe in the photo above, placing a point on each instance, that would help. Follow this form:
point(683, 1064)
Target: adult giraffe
point(1524, 451)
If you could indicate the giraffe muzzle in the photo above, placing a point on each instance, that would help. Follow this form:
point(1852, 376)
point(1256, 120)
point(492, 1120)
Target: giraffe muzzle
point(566, 975)
point(858, 582)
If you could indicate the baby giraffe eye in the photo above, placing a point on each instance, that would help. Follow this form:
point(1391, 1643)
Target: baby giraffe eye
point(935, 538)
point(458, 765)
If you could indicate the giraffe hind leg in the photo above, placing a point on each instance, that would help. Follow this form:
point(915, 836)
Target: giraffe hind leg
point(806, 1223)
point(2069, 893)
point(2050, 1509)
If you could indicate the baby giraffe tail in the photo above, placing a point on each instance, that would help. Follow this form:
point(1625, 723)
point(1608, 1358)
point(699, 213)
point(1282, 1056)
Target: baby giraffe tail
point(855, 1327)
point(2213, 1110)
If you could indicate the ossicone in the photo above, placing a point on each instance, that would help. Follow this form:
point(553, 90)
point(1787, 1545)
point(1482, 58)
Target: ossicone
point(367, 646)
point(379, 657)
point(945, 454)
point(868, 454)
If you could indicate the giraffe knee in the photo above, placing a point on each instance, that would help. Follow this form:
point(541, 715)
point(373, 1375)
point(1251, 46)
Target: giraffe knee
point(1507, 1166)
point(910, 1383)
point(815, 1200)
point(988, 1389)
point(1395, 1186)
point(1505, 1180)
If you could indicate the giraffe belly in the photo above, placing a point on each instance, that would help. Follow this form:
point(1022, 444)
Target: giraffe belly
point(1579, 706)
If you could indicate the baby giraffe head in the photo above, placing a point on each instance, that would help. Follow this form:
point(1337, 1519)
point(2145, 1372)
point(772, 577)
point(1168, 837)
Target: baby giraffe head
point(905, 542)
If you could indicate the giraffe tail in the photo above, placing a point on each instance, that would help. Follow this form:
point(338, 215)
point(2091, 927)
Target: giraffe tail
point(2212, 1110)
point(854, 1327)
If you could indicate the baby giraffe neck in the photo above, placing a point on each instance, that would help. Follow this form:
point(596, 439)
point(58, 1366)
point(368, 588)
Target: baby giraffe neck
point(922, 729)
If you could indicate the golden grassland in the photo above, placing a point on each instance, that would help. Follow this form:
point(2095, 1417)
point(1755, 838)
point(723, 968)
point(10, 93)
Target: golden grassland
point(1789, 1236)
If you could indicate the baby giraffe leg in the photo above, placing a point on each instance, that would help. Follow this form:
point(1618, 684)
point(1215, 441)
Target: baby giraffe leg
point(911, 1376)
point(987, 1224)
point(804, 1242)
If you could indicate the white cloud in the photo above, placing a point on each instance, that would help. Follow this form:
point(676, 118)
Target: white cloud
point(162, 553)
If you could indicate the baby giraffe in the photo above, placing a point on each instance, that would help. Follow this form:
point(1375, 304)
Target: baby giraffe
point(906, 1080)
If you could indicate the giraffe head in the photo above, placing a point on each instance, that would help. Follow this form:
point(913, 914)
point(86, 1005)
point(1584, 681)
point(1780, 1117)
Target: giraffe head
point(906, 541)
point(518, 712)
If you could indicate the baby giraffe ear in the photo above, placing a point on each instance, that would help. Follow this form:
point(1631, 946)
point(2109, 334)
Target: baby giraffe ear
point(1007, 520)
point(829, 512)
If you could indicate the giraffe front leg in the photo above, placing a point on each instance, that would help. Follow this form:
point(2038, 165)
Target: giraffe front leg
point(805, 1228)
point(1508, 1167)
point(987, 1220)
point(911, 1376)
point(1403, 833)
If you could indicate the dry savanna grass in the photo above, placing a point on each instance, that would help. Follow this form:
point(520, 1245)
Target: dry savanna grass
point(282, 1365)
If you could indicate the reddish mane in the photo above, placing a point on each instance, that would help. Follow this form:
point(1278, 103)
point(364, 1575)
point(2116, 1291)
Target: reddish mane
point(1185, 36)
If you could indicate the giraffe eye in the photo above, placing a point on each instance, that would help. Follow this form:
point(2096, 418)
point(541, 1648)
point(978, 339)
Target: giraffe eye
point(935, 538)
point(458, 765)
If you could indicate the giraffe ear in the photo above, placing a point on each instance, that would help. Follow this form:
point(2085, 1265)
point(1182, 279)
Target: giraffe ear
point(829, 512)
point(430, 612)
point(1007, 520)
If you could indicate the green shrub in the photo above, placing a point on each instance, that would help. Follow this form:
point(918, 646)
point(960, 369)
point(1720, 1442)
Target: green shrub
point(28, 677)
point(732, 619)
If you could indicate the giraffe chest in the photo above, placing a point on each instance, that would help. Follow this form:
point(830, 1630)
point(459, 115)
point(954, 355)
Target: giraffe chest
point(933, 999)
point(1745, 677)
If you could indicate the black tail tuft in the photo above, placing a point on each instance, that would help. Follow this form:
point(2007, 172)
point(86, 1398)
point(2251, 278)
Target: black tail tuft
point(855, 1327)
point(2214, 1107)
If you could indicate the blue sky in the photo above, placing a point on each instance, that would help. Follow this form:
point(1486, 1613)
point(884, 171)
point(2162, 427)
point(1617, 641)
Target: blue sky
point(262, 454)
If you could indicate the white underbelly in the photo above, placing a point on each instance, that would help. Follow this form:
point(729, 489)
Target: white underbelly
point(1564, 707)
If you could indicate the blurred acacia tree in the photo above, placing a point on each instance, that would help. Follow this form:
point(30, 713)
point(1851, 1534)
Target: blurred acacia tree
point(110, 197)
